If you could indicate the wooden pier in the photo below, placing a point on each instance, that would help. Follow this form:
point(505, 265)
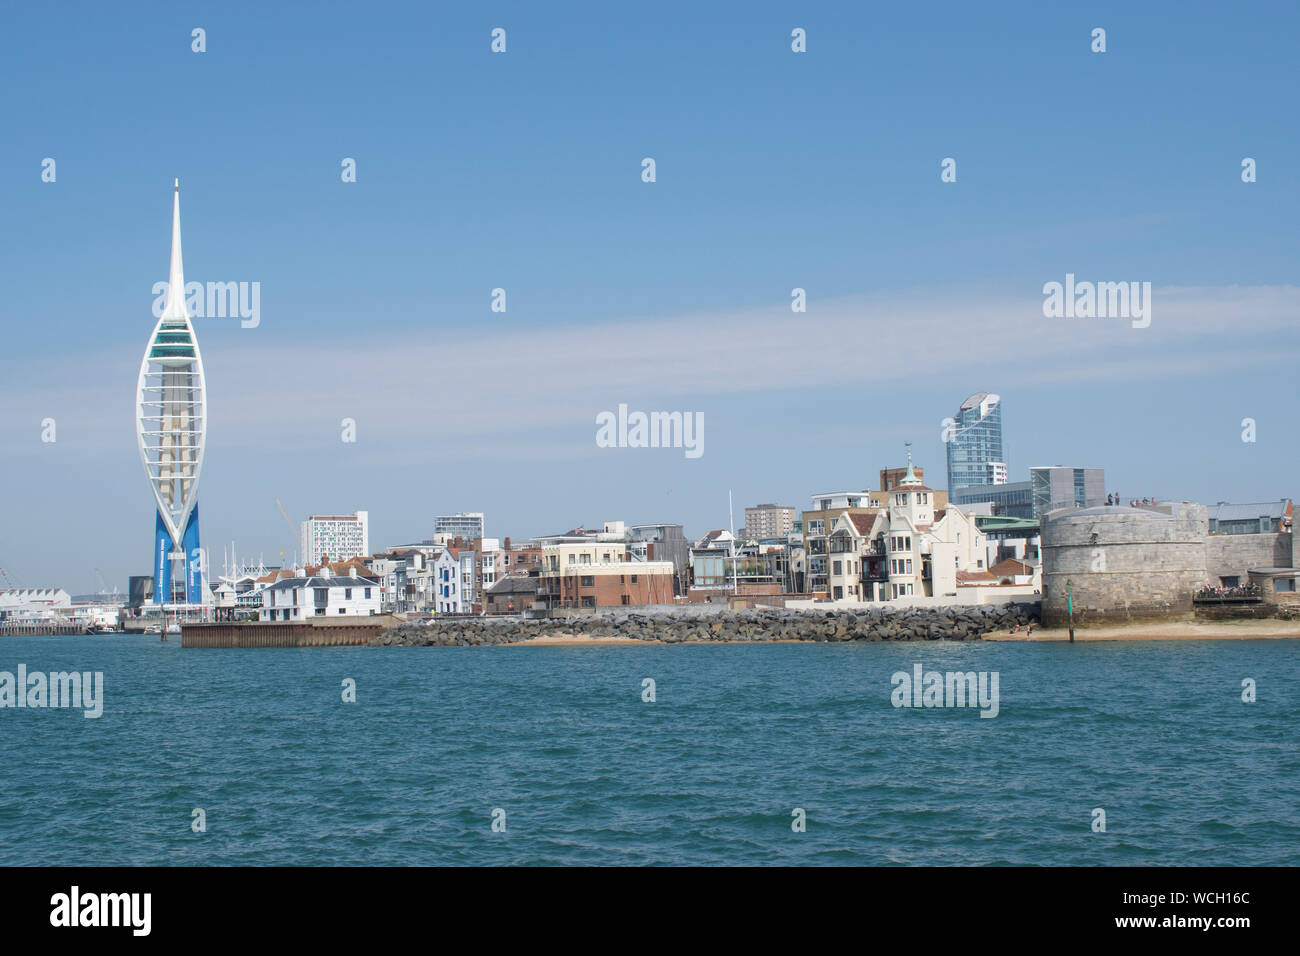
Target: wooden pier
point(39, 629)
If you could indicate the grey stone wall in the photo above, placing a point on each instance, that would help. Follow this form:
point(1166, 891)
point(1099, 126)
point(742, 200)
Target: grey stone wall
point(1232, 555)
point(1123, 564)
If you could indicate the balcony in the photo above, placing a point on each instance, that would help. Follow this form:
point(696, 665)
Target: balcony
point(1250, 594)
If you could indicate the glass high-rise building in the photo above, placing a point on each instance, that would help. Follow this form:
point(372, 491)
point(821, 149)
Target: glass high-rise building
point(975, 443)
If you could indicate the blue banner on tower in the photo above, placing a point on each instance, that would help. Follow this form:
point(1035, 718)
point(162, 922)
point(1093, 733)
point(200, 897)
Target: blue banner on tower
point(193, 560)
point(162, 565)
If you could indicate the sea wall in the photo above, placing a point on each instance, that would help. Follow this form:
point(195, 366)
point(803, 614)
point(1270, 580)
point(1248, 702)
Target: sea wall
point(1232, 555)
point(879, 623)
point(351, 632)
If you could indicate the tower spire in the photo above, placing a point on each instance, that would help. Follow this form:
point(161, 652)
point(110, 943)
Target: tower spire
point(910, 478)
point(176, 279)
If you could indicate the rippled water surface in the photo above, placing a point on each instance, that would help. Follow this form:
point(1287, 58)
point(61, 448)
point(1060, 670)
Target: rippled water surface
point(1156, 734)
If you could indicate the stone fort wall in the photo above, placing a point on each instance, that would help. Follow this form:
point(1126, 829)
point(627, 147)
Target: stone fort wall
point(1232, 555)
point(1123, 564)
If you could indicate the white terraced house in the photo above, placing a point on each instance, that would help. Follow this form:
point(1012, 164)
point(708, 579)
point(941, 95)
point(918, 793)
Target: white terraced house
point(321, 596)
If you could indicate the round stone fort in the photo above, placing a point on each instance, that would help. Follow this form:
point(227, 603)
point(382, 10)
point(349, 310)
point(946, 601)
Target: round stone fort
point(1123, 564)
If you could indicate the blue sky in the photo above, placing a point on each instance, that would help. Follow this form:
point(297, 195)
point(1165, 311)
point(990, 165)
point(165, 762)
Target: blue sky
point(522, 171)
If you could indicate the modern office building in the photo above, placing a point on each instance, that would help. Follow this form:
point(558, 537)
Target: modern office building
point(1265, 517)
point(768, 522)
point(1049, 487)
point(660, 542)
point(1014, 499)
point(337, 536)
point(1056, 486)
point(171, 421)
point(974, 443)
point(467, 525)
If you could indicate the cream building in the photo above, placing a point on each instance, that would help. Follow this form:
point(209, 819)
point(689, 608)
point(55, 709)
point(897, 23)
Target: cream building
point(913, 546)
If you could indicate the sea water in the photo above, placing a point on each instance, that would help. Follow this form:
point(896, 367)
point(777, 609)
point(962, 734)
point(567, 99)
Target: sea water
point(746, 754)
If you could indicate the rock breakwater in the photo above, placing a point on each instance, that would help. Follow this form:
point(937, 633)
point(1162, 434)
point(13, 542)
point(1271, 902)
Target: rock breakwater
point(685, 625)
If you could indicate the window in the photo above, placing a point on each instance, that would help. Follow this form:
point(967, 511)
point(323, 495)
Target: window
point(572, 559)
point(341, 610)
point(347, 594)
point(586, 581)
point(367, 593)
point(837, 568)
point(585, 559)
point(979, 562)
point(839, 593)
point(626, 600)
point(1284, 584)
point(634, 579)
point(588, 601)
point(909, 565)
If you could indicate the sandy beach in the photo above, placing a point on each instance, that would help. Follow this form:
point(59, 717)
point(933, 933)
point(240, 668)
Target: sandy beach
point(1162, 631)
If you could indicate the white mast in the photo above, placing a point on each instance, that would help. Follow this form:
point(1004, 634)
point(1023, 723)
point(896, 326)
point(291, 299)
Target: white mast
point(735, 586)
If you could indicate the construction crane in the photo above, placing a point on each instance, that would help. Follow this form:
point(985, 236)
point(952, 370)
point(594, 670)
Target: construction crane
point(287, 520)
point(103, 585)
point(11, 582)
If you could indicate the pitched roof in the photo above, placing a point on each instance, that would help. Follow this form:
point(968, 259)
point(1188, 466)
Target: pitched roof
point(514, 584)
point(343, 581)
point(1011, 566)
point(863, 522)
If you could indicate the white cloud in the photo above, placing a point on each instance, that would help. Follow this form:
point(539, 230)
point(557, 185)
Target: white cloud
point(461, 388)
